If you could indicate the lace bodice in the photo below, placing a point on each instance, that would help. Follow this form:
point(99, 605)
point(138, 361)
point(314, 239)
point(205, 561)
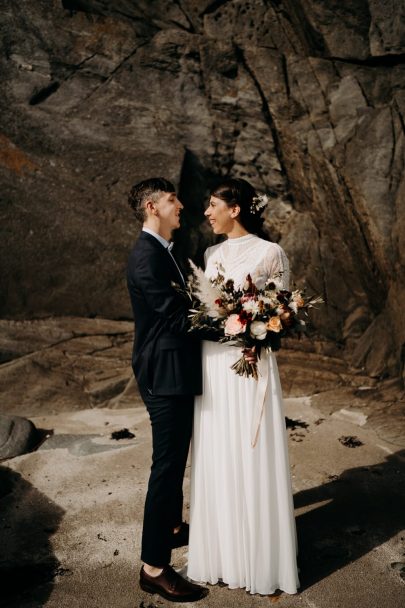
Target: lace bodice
point(248, 255)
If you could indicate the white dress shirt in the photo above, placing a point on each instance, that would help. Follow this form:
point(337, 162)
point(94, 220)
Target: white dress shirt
point(166, 244)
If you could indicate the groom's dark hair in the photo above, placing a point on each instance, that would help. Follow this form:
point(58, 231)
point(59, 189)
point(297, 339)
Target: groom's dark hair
point(148, 188)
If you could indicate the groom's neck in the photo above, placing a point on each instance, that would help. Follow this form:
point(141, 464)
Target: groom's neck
point(156, 226)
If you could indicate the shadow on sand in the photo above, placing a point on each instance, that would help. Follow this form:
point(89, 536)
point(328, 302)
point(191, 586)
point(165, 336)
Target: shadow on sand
point(28, 519)
point(365, 507)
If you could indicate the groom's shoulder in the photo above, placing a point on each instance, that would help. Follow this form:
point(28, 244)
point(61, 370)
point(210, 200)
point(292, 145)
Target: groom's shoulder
point(145, 240)
point(145, 245)
point(145, 253)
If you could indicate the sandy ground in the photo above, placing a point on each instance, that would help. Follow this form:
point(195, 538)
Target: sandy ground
point(71, 511)
point(71, 516)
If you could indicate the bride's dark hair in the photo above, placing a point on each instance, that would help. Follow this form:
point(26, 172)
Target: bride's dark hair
point(237, 191)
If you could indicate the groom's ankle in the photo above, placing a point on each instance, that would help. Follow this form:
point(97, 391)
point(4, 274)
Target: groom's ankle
point(152, 570)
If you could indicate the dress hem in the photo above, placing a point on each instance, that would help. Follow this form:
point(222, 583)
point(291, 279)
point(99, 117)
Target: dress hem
point(247, 589)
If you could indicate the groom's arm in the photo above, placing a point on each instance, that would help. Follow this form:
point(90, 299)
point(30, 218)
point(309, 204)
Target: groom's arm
point(152, 278)
point(207, 333)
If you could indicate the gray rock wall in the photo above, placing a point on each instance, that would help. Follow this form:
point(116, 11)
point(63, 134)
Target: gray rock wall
point(305, 98)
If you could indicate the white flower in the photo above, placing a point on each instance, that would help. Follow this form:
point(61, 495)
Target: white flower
point(258, 330)
point(294, 306)
point(258, 203)
point(251, 306)
point(207, 293)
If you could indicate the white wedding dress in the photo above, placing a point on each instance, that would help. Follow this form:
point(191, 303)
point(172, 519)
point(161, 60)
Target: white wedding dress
point(242, 527)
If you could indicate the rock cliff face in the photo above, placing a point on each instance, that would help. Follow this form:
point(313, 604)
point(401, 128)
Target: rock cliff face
point(304, 98)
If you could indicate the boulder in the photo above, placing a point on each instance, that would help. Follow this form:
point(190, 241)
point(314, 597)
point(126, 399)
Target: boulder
point(17, 436)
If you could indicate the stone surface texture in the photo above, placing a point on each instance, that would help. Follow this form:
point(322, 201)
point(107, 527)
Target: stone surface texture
point(66, 364)
point(306, 99)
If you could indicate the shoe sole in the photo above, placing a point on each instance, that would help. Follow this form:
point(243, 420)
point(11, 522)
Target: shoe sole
point(167, 596)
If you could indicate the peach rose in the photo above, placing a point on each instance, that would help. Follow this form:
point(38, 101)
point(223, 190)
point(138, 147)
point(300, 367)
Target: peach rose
point(234, 326)
point(274, 324)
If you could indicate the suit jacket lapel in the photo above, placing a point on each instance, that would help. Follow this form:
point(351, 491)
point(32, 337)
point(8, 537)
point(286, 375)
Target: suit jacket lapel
point(151, 239)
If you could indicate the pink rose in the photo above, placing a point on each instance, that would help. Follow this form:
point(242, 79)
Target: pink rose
point(234, 326)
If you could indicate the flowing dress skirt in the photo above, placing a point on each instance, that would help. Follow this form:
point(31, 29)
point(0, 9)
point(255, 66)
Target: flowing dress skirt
point(242, 527)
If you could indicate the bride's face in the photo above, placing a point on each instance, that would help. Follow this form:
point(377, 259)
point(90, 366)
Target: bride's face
point(221, 217)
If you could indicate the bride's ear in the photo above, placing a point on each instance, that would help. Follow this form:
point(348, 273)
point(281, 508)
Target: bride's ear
point(235, 211)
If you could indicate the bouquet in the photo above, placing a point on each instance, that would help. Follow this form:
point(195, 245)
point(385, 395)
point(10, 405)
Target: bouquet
point(254, 316)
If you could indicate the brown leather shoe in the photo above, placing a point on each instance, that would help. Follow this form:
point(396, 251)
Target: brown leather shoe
point(180, 538)
point(171, 586)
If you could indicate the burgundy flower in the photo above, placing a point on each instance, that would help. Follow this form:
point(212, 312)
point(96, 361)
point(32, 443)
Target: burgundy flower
point(245, 316)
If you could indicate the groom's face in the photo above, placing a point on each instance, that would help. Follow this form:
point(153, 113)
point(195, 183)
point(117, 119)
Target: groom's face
point(168, 208)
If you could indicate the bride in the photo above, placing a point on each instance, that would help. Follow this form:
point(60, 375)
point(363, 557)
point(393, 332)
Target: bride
point(242, 527)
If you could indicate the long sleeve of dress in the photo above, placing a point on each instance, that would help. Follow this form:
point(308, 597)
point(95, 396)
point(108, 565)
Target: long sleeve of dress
point(277, 262)
point(273, 266)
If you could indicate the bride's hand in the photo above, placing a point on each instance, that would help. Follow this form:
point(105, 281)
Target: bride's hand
point(250, 355)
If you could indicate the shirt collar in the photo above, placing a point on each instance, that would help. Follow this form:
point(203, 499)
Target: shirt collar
point(162, 241)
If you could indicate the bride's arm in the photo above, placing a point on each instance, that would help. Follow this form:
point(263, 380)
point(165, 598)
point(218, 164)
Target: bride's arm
point(276, 262)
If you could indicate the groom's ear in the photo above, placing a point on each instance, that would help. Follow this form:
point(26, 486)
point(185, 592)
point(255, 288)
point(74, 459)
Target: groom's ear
point(149, 206)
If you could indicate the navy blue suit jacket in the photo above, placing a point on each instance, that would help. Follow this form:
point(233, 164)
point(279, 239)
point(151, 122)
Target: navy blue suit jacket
point(166, 359)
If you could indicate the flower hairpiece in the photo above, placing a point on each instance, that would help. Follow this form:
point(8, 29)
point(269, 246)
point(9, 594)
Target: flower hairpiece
point(258, 203)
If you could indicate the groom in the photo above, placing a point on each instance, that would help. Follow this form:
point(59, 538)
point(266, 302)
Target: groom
point(167, 365)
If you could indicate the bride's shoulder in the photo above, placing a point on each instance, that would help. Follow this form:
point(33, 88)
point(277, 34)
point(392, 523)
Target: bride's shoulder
point(210, 251)
point(271, 248)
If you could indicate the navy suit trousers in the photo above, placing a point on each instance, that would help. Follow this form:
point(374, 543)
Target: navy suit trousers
point(171, 419)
